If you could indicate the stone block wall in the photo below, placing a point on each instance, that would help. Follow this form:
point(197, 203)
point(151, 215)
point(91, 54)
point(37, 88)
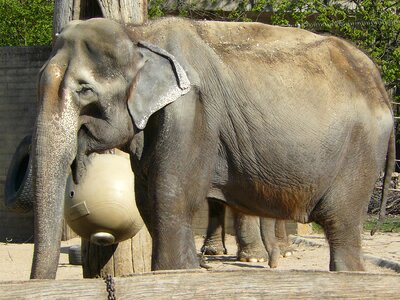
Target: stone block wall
point(19, 67)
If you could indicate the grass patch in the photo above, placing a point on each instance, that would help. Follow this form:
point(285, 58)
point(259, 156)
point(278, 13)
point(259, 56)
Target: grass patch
point(316, 228)
point(391, 224)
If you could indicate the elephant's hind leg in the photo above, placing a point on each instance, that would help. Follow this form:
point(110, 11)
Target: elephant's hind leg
point(248, 237)
point(214, 243)
point(344, 246)
point(268, 234)
point(341, 213)
point(282, 238)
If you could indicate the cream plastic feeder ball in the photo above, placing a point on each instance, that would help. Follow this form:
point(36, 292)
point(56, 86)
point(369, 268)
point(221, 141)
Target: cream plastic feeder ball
point(102, 207)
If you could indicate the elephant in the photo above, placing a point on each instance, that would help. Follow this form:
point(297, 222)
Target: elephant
point(258, 239)
point(275, 122)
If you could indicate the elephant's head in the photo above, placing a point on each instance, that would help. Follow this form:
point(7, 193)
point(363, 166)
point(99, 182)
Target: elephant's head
point(95, 92)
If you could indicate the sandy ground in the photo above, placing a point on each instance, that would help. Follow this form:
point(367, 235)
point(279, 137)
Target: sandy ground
point(310, 253)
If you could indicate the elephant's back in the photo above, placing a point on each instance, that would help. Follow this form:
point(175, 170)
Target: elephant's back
point(224, 37)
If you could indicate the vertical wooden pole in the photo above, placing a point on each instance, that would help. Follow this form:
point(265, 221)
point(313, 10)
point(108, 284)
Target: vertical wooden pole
point(63, 13)
point(67, 232)
point(125, 11)
point(128, 257)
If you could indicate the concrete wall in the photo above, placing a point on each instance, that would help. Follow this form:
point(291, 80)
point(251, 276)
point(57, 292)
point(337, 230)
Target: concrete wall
point(19, 67)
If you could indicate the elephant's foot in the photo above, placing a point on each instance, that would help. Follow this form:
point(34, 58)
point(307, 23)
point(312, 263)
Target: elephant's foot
point(287, 253)
point(286, 250)
point(274, 257)
point(252, 254)
point(203, 262)
point(213, 247)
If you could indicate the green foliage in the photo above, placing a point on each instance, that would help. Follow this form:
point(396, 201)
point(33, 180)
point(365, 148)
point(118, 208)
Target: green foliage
point(25, 22)
point(156, 8)
point(316, 228)
point(391, 224)
point(240, 13)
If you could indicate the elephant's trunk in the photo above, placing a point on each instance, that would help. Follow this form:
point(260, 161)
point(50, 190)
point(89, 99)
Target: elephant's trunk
point(54, 148)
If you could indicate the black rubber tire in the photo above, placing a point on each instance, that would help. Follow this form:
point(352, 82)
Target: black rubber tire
point(18, 192)
point(75, 255)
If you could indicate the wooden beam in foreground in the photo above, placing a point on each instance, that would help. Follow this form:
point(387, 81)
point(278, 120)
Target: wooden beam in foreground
point(201, 284)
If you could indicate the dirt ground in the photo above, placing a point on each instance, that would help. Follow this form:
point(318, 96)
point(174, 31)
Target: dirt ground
point(310, 253)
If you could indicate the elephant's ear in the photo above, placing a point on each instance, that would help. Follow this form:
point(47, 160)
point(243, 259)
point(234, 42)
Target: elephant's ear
point(160, 81)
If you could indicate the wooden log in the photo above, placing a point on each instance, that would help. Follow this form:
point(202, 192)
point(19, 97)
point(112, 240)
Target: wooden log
point(64, 12)
point(199, 284)
point(126, 258)
point(67, 232)
point(127, 11)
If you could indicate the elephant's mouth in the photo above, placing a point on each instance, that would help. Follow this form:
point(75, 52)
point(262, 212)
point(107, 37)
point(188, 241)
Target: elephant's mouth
point(81, 162)
point(78, 168)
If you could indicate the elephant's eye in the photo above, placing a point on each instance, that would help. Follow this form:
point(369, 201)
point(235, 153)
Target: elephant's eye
point(85, 91)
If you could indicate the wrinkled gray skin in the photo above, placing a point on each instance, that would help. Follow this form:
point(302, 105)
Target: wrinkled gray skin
point(258, 239)
point(273, 121)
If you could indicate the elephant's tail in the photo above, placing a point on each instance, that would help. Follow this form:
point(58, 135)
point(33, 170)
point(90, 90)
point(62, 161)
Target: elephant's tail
point(389, 168)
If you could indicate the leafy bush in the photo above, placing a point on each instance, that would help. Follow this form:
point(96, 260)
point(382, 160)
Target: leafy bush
point(25, 22)
point(391, 224)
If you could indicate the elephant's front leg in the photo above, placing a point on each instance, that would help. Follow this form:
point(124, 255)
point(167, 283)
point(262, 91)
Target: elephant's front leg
point(171, 227)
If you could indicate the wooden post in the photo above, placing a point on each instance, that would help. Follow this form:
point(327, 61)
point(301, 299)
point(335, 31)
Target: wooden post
point(64, 12)
point(125, 11)
point(125, 258)
point(67, 232)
